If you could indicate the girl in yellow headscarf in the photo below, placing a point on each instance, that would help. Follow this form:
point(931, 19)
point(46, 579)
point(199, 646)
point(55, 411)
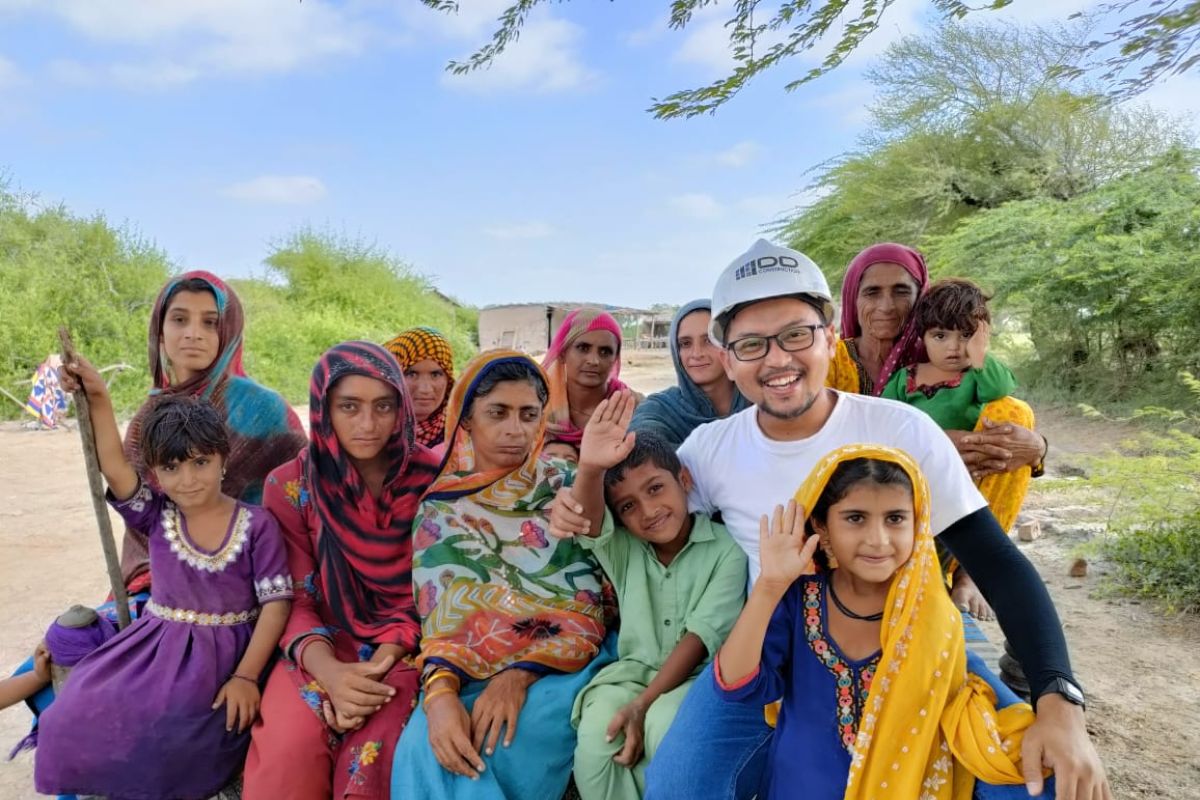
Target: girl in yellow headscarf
point(880, 697)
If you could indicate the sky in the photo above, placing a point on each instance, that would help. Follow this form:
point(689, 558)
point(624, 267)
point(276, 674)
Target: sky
point(217, 128)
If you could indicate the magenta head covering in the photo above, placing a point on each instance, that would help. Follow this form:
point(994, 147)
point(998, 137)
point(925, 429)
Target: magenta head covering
point(574, 325)
point(905, 348)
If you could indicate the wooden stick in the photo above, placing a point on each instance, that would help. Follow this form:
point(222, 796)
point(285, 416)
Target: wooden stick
point(92, 461)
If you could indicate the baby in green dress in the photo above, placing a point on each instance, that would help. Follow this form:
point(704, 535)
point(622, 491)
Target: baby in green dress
point(958, 377)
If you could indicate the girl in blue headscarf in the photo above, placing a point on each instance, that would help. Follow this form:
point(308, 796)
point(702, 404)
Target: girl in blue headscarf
point(704, 392)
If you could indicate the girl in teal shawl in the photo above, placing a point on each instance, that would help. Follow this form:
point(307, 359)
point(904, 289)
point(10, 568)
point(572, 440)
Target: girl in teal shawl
point(704, 393)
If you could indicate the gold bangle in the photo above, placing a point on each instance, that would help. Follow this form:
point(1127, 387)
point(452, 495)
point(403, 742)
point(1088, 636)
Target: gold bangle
point(441, 690)
point(443, 675)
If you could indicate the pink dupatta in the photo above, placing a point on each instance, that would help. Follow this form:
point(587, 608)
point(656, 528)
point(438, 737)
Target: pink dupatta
point(577, 323)
point(905, 350)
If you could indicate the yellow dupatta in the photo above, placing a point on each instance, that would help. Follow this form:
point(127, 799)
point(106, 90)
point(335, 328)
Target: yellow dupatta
point(928, 729)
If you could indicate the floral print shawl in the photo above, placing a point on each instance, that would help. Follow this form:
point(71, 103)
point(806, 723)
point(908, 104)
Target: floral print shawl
point(494, 589)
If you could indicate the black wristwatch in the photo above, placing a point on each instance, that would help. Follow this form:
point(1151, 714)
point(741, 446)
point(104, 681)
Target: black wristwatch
point(1067, 689)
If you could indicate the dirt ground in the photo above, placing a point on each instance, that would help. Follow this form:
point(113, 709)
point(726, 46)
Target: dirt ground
point(1141, 669)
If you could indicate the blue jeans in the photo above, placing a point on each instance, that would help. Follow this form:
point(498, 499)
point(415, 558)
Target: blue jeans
point(719, 749)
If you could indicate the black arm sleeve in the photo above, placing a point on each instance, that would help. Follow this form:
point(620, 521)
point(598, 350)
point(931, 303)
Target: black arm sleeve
point(1016, 592)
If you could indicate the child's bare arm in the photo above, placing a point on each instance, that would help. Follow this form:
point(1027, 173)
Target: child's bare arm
point(21, 687)
point(265, 639)
point(240, 694)
point(630, 719)
point(122, 478)
point(687, 655)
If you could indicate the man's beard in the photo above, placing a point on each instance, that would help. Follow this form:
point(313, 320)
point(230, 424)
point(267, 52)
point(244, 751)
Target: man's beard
point(794, 413)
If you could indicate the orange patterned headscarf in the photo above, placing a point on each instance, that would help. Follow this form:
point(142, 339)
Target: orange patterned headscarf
point(426, 344)
point(928, 728)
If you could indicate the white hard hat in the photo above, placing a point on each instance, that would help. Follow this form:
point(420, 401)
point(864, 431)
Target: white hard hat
point(763, 272)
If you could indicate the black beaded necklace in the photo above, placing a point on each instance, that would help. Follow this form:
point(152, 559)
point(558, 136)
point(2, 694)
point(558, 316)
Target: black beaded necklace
point(852, 615)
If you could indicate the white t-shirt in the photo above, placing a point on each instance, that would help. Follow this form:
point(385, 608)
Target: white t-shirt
point(738, 471)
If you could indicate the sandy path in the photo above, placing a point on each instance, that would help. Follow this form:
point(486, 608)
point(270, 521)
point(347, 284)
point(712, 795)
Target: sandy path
point(1142, 671)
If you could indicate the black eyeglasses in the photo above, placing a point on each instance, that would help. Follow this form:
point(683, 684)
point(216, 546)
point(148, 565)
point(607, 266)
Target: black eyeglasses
point(792, 340)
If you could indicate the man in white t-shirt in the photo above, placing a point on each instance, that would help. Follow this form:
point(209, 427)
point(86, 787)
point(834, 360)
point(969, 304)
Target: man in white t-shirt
point(772, 316)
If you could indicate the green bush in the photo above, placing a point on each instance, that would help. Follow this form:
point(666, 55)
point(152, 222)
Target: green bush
point(319, 289)
point(1161, 563)
point(56, 269)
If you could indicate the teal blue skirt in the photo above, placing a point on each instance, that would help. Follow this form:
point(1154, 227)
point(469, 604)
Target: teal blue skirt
point(536, 766)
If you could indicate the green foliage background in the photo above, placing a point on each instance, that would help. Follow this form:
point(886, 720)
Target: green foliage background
point(317, 289)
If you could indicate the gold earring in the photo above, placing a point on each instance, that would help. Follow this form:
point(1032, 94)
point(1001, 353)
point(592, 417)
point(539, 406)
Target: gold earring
point(827, 549)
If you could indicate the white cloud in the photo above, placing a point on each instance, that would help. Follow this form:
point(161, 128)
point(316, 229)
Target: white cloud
point(649, 33)
point(171, 43)
point(520, 231)
point(10, 75)
point(150, 75)
point(849, 105)
point(707, 45)
point(739, 155)
point(278, 190)
point(696, 205)
point(1175, 95)
point(544, 59)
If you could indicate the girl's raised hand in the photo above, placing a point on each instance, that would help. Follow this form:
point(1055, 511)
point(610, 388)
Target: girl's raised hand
point(606, 438)
point(80, 374)
point(783, 553)
point(977, 345)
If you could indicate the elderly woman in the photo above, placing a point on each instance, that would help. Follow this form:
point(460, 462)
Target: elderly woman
point(703, 392)
point(582, 366)
point(879, 336)
point(512, 620)
point(335, 704)
point(427, 361)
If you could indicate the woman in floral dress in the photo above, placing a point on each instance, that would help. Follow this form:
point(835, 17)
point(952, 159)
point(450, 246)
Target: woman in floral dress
point(513, 621)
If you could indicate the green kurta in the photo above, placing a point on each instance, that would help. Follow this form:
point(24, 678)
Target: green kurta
point(954, 407)
point(701, 592)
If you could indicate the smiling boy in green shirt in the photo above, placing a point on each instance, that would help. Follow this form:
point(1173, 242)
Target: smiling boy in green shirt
point(680, 581)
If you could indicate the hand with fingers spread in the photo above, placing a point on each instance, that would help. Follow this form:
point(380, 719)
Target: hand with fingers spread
point(450, 735)
point(784, 554)
point(498, 707)
point(629, 720)
point(606, 438)
point(241, 699)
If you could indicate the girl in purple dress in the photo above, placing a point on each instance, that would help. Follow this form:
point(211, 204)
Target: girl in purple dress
point(163, 710)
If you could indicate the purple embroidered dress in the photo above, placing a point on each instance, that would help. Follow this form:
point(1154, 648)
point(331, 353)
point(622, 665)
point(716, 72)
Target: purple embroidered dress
point(135, 720)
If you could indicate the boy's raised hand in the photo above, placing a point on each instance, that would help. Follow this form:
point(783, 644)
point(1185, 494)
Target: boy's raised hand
point(80, 374)
point(606, 439)
point(783, 553)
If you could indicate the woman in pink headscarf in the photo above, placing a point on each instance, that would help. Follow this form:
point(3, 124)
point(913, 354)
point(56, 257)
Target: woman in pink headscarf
point(881, 286)
point(879, 336)
point(582, 365)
